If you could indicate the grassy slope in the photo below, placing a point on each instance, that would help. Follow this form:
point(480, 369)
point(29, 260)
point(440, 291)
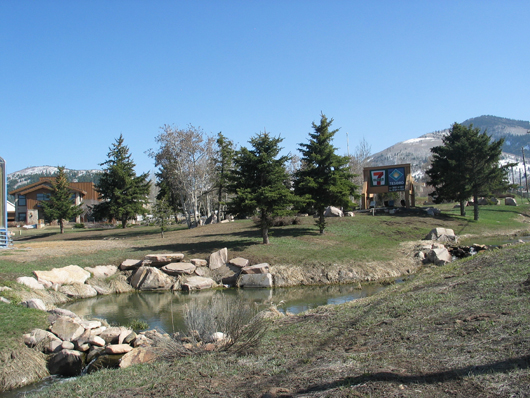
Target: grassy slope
point(458, 330)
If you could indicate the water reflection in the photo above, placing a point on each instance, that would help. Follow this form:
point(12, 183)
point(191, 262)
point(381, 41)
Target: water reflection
point(164, 310)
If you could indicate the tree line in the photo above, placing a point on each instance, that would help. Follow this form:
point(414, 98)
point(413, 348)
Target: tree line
point(198, 174)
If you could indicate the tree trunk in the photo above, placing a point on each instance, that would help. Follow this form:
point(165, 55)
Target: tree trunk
point(124, 222)
point(475, 206)
point(265, 234)
point(462, 208)
point(61, 224)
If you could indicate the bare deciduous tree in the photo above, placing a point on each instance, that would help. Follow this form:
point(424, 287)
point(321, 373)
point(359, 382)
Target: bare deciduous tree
point(184, 159)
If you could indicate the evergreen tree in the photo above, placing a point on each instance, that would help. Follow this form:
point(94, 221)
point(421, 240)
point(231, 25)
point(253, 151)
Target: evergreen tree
point(260, 181)
point(161, 213)
point(223, 164)
point(60, 207)
point(123, 193)
point(324, 178)
point(467, 164)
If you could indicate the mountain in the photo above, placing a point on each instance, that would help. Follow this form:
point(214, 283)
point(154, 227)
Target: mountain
point(30, 175)
point(417, 151)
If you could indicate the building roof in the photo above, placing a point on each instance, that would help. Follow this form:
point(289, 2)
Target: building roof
point(44, 183)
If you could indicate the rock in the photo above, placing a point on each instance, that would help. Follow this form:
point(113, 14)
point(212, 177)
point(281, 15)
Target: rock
point(141, 341)
point(30, 282)
point(93, 353)
point(150, 278)
point(96, 341)
point(158, 260)
point(239, 262)
point(138, 355)
point(102, 271)
point(350, 214)
point(198, 283)
point(332, 211)
point(88, 325)
point(256, 280)
point(66, 363)
point(67, 345)
point(118, 349)
point(38, 336)
point(63, 276)
point(54, 346)
point(510, 202)
point(439, 256)
point(5, 288)
point(66, 328)
point(104, 361)
point(35, 303)
point(199, 272)
point(78, 290)
point(199, 262)
point(130, 264)
point(63, 312)
point(211, 220)
point(431, 211)
point(111, 335)
point(262, 268)
point(442, 235)
point(4, 300)
point(178, 268)
point(218, 259)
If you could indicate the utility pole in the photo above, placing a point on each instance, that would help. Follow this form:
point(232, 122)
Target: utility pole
point(348, 144)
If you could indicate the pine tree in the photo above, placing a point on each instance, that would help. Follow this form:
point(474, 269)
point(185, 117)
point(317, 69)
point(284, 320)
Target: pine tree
point(324, 178)
point(223, 164)
point(60, 207)
point(467, 164)
point(260, 181)
point(123, 193)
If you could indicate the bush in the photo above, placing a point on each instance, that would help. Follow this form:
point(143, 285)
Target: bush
point(79, 225)
point(233, 317)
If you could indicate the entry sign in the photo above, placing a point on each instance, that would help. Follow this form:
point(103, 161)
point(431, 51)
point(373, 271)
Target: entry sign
point(3, 205)
point(396, 179)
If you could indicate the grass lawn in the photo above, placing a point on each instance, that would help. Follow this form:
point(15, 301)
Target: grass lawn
point(360, 239)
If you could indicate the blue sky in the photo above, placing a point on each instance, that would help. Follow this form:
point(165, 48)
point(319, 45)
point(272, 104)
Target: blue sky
point(74, 75)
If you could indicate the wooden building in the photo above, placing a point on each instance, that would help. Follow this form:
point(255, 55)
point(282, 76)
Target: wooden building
point(27, 199)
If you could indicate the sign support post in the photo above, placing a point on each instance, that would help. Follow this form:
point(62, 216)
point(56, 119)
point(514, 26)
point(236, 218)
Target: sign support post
point(4, 238)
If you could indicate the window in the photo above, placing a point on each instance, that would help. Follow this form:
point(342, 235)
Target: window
point(21, 217)
point(21, 201)
point(72, 198)
point(43, 196)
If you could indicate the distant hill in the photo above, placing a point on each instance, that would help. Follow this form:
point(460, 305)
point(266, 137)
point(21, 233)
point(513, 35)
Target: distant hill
point(30, 175)
point(417, 151)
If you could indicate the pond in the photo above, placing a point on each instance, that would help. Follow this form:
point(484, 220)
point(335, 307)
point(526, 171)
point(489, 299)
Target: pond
point(164, 310)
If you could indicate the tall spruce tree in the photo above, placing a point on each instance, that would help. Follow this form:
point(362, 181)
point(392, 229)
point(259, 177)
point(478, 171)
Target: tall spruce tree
point(260, 181)
point(467, 164)
point(61, 207)
point(122, 192)
point(324, 178)
point(223, 164)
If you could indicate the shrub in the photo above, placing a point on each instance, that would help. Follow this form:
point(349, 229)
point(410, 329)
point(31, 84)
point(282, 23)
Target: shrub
point(79, 225)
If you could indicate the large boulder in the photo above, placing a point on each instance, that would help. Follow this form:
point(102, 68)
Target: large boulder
point(239, 262)
point(118, 349)
point(178, 268)
point(510, 202)
point(67, 329)
point(137, 356)
point(256, 280)
point(198, 283)
point(63, 276)
point(78, 290)
point(102, 271)
point(30, 282)
point(199, 262)
point(218, 259)
point(150, 278)
point(158, 260)
point(440, 256)
point(332, 211)
point(35, 303)
point(38, 336)
point(131, 264)
point(66, 363)
point(112, 335)
point(262, 268)
point(445, 235)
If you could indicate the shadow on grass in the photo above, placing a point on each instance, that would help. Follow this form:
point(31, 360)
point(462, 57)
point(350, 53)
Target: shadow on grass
point(428, 378)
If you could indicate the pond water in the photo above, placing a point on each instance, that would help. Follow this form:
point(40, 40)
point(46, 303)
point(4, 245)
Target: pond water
point(164, 310)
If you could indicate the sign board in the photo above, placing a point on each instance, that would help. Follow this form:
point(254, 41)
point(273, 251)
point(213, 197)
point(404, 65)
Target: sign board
point(380, 180)
point(393, 178)
point(3, 204)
